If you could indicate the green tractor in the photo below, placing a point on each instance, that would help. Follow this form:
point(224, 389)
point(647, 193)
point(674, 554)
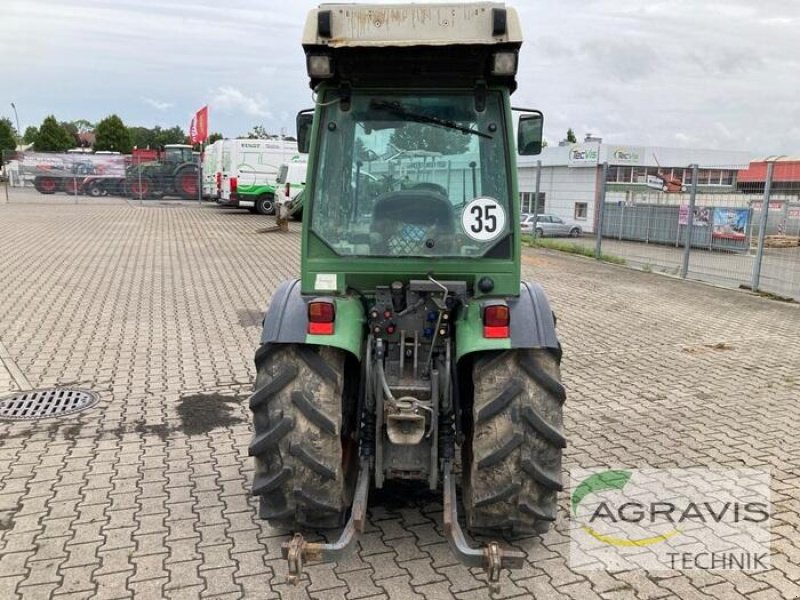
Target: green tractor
point(174, 173)
point(409, 349)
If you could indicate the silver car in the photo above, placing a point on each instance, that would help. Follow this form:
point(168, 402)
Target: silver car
point(550, 226)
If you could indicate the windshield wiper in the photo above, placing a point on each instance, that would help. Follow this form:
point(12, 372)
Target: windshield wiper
point(397, 109)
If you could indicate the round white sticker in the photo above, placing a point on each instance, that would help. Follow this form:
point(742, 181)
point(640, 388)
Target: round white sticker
point(483, 219)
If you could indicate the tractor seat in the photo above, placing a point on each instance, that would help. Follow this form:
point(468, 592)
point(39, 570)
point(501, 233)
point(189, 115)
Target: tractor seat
point(414, 222)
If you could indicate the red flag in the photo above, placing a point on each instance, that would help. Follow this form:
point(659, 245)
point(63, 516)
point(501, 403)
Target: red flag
point(198, 130)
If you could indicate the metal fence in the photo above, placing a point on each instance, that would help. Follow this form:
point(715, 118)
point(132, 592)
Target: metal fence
point(76, 177)
point(747, 237)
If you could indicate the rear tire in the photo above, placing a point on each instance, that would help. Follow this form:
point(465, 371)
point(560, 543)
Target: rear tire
point(140, 188)
point(304, 463)
point(185, 182)
point(46, 185)
point(265, 204)
point(539, 232)
point(514, 467)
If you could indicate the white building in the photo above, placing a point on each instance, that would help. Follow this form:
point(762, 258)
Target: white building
point(571, 176)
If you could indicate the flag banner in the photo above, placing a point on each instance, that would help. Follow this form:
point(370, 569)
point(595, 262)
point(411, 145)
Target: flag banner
point(198, 130)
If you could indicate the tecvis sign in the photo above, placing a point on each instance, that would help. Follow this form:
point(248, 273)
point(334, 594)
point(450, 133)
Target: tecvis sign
point(583, 156)
point(625, 155)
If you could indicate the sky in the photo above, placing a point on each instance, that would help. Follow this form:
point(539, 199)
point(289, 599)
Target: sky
point(721, 74)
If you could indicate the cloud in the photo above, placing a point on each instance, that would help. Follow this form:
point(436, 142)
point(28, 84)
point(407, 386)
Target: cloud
point(158, 105)
point(662, 72)
point(231, 99)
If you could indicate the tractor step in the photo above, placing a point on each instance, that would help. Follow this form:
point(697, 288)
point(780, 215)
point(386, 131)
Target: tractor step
point(299, 551)
point(492, 557)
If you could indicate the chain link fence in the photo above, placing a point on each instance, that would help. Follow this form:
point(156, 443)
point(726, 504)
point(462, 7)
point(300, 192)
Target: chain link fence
point(76, 177)
point(747, 236)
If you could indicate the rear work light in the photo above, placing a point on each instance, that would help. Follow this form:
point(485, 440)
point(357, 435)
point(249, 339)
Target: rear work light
point(495, 321)
point(321, 315)
point(320, 66)
point(504, 64)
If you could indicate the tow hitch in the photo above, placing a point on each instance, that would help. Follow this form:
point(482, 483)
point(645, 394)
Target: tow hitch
point(491, 558)
point(299, 551)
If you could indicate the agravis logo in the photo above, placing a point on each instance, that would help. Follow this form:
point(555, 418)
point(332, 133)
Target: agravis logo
point(610, 480)
point(695, 518)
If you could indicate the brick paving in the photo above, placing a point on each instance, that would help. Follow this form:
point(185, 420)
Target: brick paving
point(157, 308)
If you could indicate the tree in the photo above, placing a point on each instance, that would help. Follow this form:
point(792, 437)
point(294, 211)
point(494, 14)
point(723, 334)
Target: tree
point(143, 137)
point(213, 138)
point(571, 136)
point(83, 126)
point(29, 137)
point(173, 135)
point(8, 138)
point(259, 132)
point(72, 130)
point(419, 136)
point(111, 134)
point(52, 137)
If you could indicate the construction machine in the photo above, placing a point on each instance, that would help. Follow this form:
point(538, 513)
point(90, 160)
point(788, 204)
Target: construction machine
point(409, 349)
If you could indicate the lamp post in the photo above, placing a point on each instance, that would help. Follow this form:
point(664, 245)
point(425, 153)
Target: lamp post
point(16, 116)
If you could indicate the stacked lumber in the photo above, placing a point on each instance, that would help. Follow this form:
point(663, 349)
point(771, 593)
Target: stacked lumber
point(781, 241)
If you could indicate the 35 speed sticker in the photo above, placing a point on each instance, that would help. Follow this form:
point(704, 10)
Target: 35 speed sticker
point(483, 219)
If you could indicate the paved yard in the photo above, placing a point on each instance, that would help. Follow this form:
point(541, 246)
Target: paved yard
point(157, 308)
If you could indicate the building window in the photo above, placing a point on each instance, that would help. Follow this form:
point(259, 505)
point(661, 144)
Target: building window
point(727, 177)
point(581, 211)
point(526, 201)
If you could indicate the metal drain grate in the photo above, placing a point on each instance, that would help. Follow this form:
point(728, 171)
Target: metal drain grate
point(42, 404)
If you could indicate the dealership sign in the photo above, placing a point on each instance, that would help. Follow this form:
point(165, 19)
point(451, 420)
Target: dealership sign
point(625, 155)
point(583, 156)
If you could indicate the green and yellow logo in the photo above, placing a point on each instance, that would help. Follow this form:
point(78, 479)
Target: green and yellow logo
point(627, 512)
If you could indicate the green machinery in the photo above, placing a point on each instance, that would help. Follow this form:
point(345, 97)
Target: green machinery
point(174, 172)
point(410, 349)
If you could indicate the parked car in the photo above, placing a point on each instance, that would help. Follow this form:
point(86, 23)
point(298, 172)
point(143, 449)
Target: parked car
point(550, 226)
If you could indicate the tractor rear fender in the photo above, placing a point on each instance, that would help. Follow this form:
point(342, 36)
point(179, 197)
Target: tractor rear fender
point(286, 321)
point(532, 325)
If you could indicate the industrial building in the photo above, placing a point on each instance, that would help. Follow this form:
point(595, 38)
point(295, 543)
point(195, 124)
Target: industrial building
point(572, 175)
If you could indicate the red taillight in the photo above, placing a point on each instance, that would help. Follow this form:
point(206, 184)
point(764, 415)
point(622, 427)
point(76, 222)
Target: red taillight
point(288, 190)
point(495, 321)
point(234, 184)
point(321, 315)
point(219, 180)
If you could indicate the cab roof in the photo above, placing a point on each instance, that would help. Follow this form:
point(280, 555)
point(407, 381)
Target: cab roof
point(380, 25)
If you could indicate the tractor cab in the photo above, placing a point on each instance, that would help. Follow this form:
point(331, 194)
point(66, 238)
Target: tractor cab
point(413, 139)
point(178, 153)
